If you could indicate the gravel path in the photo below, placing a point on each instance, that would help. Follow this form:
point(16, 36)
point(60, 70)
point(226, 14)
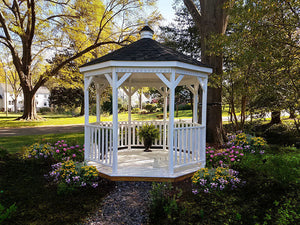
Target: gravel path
point(127, 204)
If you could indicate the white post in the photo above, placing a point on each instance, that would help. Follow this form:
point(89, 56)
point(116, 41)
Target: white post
point(165, 117)
point(115, 120)
point(129, 117)
point(98, 103)
point(86, 120)
point(195, 106)
point(203, 122)
point(6, 95)
point(171, 120)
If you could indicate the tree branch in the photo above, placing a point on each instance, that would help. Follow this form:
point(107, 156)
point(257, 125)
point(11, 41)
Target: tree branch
point(195, 13)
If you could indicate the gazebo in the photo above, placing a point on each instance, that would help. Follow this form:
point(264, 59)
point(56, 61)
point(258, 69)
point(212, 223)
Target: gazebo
point(114, 147)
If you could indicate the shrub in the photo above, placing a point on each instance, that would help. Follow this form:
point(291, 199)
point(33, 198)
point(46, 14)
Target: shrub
point(187, 106)
point(283, 134)
point(45, 110)
point(70, 175)
point(223, 157)
point(215, 180)
point(136, 110)
point(62, 152)
point(150, 107)
point(38, 151)
point(163, 203)
point(5, 213)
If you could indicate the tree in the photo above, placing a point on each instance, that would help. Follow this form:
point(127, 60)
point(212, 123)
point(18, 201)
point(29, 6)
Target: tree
point(261, 52)
point(10, 74)
point(28, 28)
point(211, 17)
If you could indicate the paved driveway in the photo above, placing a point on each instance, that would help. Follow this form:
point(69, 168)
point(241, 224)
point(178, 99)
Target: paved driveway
point(7, 132)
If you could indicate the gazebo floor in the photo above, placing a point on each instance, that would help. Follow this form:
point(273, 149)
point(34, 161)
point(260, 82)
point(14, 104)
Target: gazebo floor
point(137, 165)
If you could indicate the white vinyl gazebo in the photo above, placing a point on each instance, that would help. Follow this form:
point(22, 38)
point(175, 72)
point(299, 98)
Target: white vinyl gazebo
point(114, 147)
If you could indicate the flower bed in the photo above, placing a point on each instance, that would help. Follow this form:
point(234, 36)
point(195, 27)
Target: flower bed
point(69, 172)
point(215, 180)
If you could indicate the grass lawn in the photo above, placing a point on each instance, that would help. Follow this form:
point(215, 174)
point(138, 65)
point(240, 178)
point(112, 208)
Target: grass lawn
point(57, 119)
point(17, 143)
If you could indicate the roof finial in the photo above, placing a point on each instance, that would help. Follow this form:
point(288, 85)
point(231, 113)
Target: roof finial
point(146, 32)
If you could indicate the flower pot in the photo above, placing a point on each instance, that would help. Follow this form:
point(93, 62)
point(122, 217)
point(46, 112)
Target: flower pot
point(148, 144)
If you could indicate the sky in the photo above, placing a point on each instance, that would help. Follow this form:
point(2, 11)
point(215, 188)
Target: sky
point(165, 8)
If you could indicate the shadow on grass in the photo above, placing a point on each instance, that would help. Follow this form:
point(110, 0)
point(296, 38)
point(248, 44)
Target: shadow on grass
point(23, 183)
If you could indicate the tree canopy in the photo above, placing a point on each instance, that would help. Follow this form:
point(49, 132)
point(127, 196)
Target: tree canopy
point(34, 28)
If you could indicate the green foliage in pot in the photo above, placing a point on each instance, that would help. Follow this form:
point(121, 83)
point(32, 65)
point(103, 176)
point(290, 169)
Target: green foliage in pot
point(148, 133)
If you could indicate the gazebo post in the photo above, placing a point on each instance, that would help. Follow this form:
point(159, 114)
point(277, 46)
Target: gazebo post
point(203, 82)
point(98, 107)
point(171, 120)
point(129, 117)
point(165, 95)
point(87, 82)
point(195, 106)
point(115, 120)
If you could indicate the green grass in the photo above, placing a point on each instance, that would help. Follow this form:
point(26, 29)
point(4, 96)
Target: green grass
point(58, 119)
point(17, 143)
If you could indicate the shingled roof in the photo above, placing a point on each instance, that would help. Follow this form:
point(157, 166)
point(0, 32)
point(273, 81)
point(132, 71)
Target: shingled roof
point(145, 49)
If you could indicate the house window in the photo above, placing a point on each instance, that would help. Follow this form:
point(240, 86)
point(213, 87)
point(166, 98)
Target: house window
point(36, 95)
point(10, 103)
point(45, 96)
point(45, 103)
point(20, 102)
point(37, 103)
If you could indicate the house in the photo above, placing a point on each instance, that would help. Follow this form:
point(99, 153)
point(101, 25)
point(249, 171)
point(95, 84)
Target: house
point(41, 98)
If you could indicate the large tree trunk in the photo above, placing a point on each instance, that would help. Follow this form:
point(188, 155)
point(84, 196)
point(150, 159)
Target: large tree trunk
point(275, 117)
point(211, 19)
point(29, 112)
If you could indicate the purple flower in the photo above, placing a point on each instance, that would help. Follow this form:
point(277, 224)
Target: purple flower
point(211, 151)
point(206, 190)
point(262, 152)
point(94, 185)
point(64, 145)
point(68, 180)
point(74, 155)
point(59, 145)
point(83, 184)
point(211, 156)
point(232, 159)
point(77, 146)
point(241, 154)
point(221, 162)
point(57, 151)
point(222, 187)
point(195, 191)
point(62, 141)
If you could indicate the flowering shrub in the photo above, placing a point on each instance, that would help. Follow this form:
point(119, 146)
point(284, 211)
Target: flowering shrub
point(62, 152)
point(215, 180)
point(38, 151)
point(73, 174)
point(258, 144)
point(223, 157)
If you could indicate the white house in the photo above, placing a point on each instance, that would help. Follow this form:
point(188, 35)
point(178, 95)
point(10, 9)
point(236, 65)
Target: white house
point(41, 98)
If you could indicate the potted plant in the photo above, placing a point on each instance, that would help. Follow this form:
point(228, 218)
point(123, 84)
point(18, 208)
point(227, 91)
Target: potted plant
point(148, 133)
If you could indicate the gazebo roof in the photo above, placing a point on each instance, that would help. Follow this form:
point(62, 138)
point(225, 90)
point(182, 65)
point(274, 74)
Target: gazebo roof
point(146, 49)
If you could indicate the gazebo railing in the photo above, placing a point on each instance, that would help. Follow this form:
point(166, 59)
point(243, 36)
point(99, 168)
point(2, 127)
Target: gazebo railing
point(187, 145)
point(101, 144)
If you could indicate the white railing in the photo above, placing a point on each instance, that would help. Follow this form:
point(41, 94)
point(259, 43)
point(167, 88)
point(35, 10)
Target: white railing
point(188, 145)
point(100, 144)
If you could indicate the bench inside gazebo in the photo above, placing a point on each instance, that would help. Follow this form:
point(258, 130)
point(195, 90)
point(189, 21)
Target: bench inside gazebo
point(114, 147)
